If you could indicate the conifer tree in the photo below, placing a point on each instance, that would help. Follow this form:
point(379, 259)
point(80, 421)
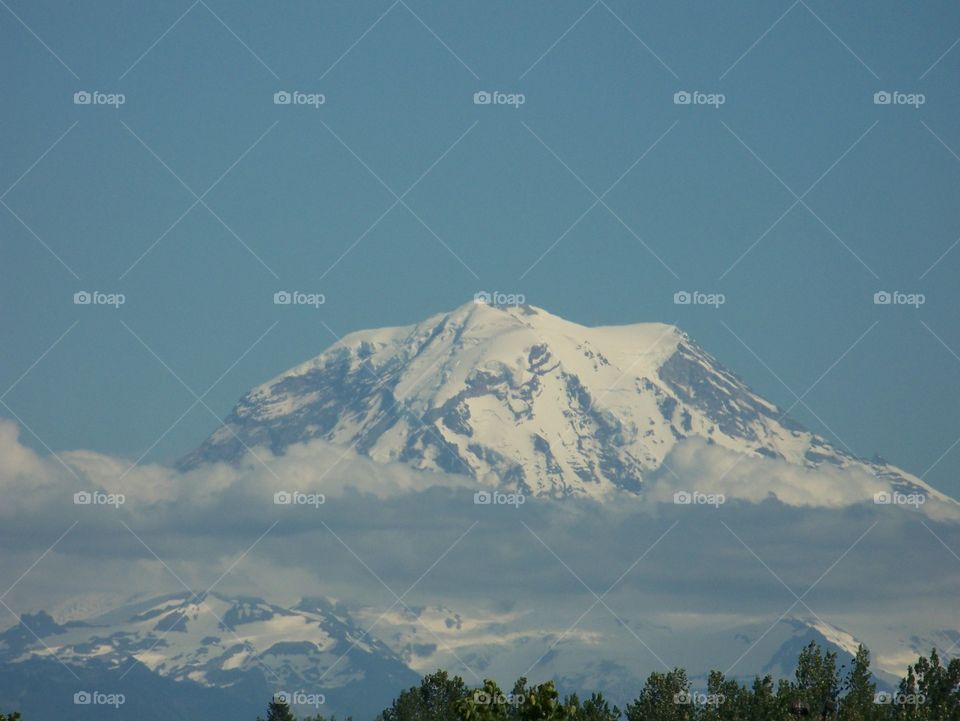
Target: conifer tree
point(278, 710)
point(860, 691)
point(664, 697)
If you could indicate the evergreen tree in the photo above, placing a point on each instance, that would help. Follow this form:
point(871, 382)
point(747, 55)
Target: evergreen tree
point(435, 699)
point(595, 708)
point(938, 689)
point(761, 702)
point(726, 700)
point(860, 691)
point(278, 710)
point(907, 690)
point(817, 684)
point(540, 703)
point(664, 697)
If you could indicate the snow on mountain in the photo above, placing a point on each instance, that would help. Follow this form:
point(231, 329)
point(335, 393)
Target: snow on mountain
point(517, 397)
point(216, 642)
point(236, 652)
point(599, 653)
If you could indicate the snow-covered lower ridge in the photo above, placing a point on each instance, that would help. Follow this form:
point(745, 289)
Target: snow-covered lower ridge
point(519, 398)
point(213, 640)
point(222, 642)
point(594, 655)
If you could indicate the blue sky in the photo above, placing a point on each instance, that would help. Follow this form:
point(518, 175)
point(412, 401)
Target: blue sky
point(95, 198)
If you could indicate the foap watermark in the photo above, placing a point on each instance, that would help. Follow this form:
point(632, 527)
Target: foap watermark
point(298, 498)
point(99, 698)
point(895, 97)
point(485, 698)
point(498, 498)
point(96, 297)
point(697, 297)
point(300, 698)
point(98, 498)
point(697, 97)
point(697, 698)
point(886, 698)
point(296, 297)
point(896, 297)
point(495, 97)
point(499, 299)
point(295, 97)
point(96, 97)
point(896, 498)
point(696, 498)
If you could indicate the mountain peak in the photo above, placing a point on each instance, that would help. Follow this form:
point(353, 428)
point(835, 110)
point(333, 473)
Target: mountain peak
point(516, 397)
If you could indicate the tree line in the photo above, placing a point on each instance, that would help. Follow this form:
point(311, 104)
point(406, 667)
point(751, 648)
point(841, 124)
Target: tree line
point(820, 689)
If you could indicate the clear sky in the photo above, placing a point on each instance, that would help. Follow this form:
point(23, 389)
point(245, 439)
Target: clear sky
point(798, 198)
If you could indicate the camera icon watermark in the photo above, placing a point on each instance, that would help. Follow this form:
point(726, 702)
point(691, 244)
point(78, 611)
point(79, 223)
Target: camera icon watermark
point(98, 498)
point(895, 97)
point(95, 97)
point(896, 297)
point(896, 498)
point(886, 698)
point(697, 698)
point(484, 97)
point(498, 498)
point(96, 297)
point(295, 97)
point(696, 297)
point(485, 698)
point(300, 698)
point(298, 498)
point(697, 97)
point(296, 297)
point(499, 299)
point(696, 498)
point(98, 698)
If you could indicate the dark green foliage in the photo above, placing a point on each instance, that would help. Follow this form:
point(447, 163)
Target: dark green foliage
point(817, 684)
point(434, 700)
point(762, 701)
point(820, 691)
point(594, 708)
point(938, 687)
point(860, 692)
point(278, 711)
point(664, 697)
point(523, 703)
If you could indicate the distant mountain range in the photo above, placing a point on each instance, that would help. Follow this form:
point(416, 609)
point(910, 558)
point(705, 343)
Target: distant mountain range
point(222, 658)
point(496, 645)
point(229, 655)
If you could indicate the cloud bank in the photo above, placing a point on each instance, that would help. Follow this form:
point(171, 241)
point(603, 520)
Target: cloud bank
point(381, 529)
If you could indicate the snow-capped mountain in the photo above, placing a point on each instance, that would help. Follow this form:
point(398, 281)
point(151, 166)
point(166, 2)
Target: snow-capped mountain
point(314, 652)
point(230, 655)
point(517, 397)
point(506, 645)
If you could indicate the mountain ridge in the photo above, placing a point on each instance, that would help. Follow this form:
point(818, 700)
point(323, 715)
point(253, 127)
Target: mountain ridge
point(234, 650)
point(123, 651)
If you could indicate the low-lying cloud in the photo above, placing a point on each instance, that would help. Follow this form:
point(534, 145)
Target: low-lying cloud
point(382, 529)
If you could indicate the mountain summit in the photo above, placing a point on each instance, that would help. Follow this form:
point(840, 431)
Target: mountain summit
point(516, 397)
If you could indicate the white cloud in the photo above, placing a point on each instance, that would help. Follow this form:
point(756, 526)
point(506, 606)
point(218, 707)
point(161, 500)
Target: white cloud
point(400, 521)
point(707, 468)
